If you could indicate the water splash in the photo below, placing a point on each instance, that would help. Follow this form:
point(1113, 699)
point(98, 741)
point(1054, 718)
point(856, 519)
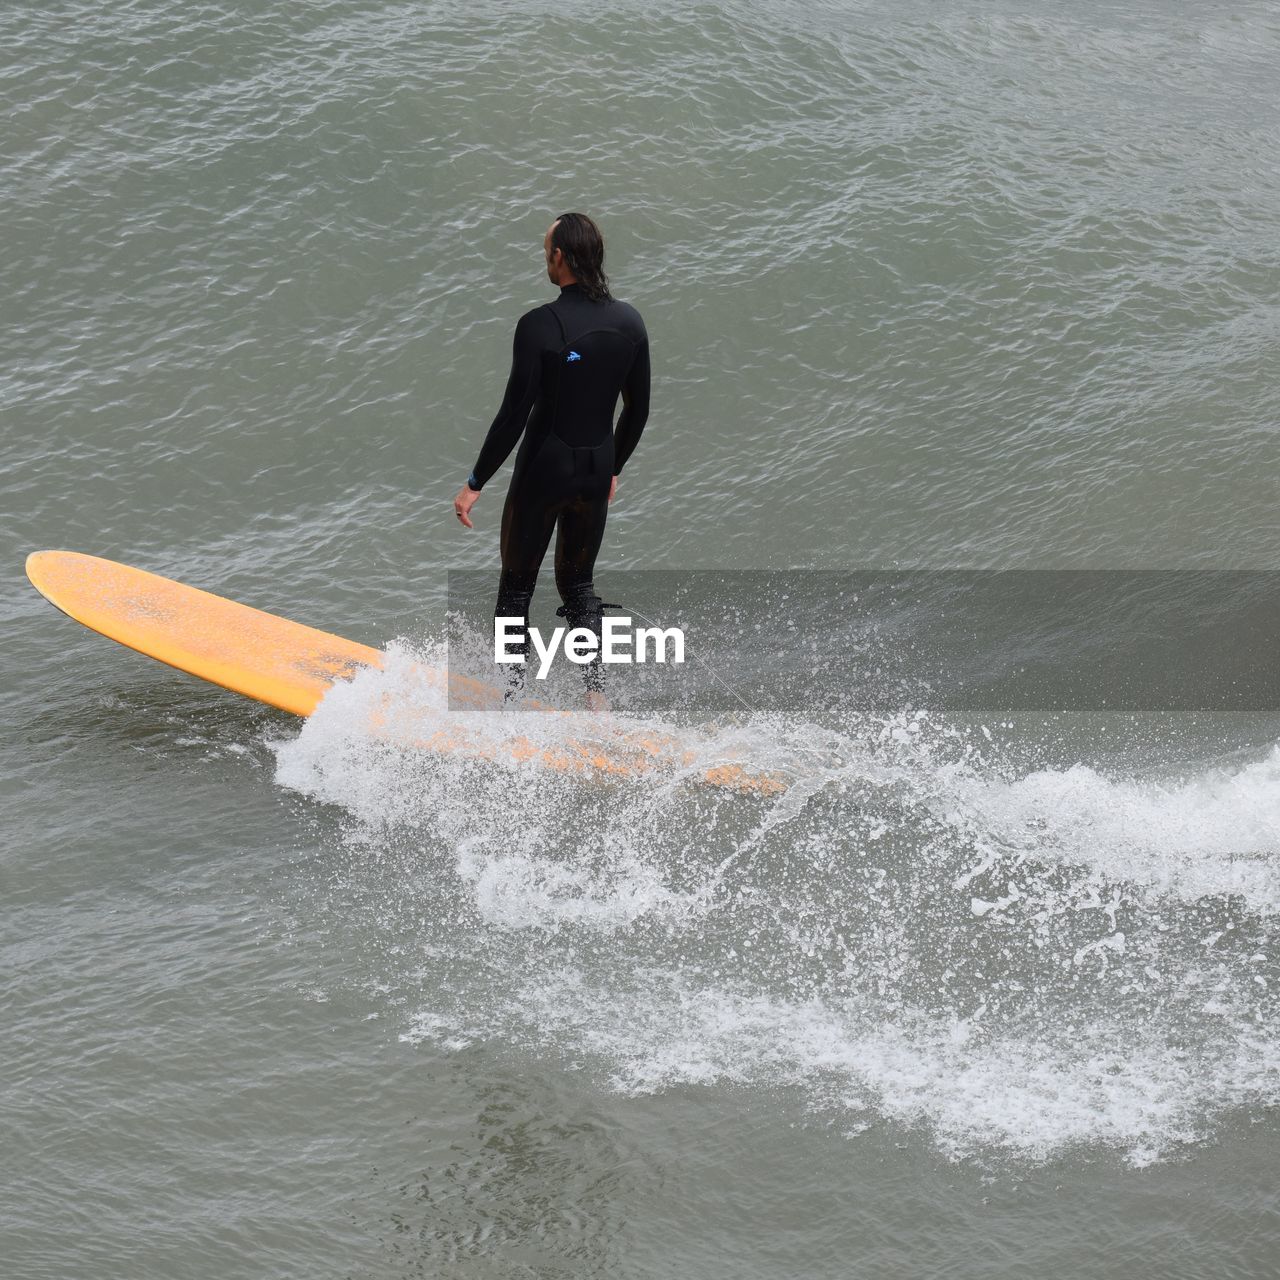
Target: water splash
point(912, 932)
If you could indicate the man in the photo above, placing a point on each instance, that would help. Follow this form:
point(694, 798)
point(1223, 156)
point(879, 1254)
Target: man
point(571, 360)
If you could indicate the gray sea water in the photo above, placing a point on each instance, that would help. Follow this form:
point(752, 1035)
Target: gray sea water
point(928, 286)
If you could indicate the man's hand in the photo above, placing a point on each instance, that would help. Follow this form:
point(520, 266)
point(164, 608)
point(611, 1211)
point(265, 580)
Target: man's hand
point(463, 503)
point(613, 487)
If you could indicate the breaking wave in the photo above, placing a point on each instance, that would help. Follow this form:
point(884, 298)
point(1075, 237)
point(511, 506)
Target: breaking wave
point(909, 930)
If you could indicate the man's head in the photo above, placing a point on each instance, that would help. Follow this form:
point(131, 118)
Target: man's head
point(574, 250)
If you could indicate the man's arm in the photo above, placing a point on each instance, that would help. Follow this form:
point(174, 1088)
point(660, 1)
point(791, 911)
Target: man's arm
point(635, 408)
point(522, 391)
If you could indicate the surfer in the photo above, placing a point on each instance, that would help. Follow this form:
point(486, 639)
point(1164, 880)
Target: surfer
point(571, 360)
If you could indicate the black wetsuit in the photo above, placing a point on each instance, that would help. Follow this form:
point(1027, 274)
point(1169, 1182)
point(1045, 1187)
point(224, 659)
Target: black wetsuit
point(571, 360)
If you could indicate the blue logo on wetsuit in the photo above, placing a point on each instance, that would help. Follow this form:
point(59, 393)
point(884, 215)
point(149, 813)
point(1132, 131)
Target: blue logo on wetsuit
point(571, 357)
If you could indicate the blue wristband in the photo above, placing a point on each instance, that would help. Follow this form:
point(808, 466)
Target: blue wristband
point(472, 483)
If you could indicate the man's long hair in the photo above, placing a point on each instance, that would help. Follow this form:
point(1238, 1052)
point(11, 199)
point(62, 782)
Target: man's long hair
point(583, 247)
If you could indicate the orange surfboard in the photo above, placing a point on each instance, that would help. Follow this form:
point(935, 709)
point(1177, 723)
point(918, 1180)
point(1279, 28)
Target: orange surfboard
point(291, 666)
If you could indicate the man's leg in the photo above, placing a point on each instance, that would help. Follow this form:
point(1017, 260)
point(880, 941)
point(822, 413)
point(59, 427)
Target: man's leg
point(526, 533)
point(578, 538)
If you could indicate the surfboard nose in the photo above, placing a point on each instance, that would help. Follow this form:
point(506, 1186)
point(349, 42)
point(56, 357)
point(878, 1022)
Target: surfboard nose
point(45, 569)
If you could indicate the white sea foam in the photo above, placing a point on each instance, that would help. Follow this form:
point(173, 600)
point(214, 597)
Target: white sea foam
point(907, 934)
point(1214, 832)
point(1031, 1096)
